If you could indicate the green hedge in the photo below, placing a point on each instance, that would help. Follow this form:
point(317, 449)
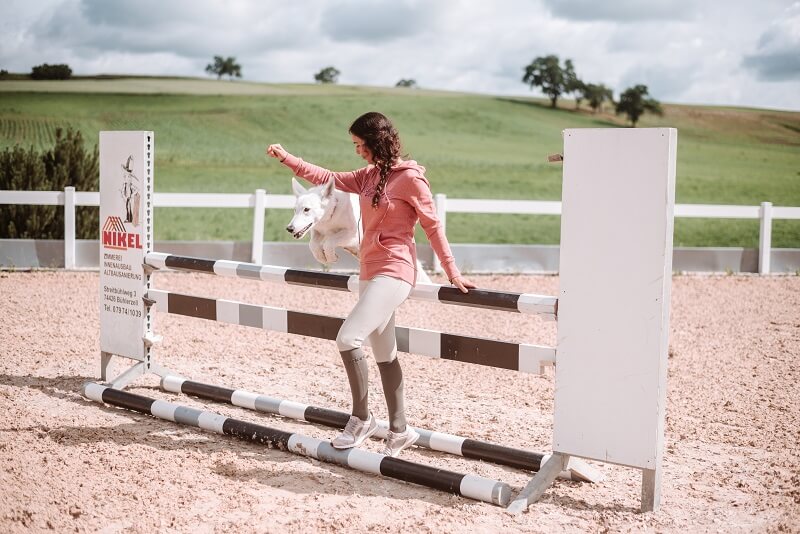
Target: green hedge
point(68, 163)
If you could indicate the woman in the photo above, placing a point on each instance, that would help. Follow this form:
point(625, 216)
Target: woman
point(393, 194)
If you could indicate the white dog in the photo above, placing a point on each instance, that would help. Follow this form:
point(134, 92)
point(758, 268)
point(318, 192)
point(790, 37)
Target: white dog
point(328, 214)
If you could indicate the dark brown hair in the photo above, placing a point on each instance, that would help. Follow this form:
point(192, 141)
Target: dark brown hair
point(381, 138)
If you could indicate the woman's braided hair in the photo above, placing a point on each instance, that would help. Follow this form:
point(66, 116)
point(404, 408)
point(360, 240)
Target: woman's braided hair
point(382, 139)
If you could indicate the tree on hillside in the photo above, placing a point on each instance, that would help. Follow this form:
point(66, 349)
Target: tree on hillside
point(406, 83)
point(546, 72)
point(224, 67)
point(51, 72)
point(596, 95)
point(634, 101)
point(327, 75)
point(572, 84)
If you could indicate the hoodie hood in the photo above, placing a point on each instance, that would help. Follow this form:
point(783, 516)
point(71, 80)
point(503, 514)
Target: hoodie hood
point(409, 164)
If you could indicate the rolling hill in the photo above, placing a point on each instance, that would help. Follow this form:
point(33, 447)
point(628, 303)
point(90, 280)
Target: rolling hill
point(210, 137)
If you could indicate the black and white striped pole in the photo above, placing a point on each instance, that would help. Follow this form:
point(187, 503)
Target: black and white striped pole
point(465, 485)
point(521, 357)
point(526, 303)
point(430, 439)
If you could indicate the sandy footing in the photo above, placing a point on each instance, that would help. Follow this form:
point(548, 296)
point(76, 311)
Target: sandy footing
point(731, 464)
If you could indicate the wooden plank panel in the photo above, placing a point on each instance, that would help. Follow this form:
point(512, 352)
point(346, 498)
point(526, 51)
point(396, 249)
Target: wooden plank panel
point(613, 313)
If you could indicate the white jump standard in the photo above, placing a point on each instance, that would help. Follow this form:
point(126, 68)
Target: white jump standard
point(613, 317)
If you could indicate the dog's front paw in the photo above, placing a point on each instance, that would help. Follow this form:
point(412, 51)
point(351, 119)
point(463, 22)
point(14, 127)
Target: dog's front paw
point(331, 257)
point(353, 250)
point(319, 256)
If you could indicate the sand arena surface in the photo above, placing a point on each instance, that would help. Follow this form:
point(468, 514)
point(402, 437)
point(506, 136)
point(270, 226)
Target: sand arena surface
point(731, 462)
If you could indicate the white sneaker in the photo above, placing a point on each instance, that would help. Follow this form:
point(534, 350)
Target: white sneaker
point(355, 432)
point(397, 441)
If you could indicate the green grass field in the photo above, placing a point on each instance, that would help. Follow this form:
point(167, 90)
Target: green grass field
point(474, 146)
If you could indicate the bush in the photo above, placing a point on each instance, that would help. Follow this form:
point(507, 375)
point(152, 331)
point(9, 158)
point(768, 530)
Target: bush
point(51, 72)
point(67, 164)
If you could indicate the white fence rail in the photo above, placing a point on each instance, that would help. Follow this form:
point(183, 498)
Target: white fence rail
point(259, 201)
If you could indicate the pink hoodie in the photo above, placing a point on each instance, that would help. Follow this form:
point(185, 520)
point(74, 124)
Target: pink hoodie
point(388, 246)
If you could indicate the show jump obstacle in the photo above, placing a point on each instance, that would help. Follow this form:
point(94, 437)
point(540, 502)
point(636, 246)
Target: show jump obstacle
point(613, 317)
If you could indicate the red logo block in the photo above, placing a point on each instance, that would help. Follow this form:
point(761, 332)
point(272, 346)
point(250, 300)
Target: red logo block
point(115, 236)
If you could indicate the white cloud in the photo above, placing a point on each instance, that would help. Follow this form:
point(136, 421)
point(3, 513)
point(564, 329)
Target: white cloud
point(189, 29)
point(712, 52)
point(622, 10)
point(778, 55)
point(377, 21)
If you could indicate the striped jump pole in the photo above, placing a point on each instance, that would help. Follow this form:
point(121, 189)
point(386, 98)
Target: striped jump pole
point(472, 486)
point(438, 441)
point(501, 354)
point(527, 303)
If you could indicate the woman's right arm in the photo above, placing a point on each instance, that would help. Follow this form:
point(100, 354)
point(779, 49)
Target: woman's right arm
point(349, 182)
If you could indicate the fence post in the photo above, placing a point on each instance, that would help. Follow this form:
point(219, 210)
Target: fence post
point(69, 227)
point(441, 211)
point(257, 255)
point(765, 238)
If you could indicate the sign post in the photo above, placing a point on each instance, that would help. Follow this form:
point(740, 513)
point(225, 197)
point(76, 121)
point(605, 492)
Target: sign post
point(126, 236)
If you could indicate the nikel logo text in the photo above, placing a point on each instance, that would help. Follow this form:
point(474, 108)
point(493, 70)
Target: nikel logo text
point(115, 236)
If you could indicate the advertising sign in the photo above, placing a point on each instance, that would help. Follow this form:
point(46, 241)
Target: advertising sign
point(126, 222)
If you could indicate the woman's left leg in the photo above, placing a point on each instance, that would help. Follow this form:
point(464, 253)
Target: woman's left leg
point(384, 347)
point(382, 339)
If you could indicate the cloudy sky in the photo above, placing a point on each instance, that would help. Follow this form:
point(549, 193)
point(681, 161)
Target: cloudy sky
point(725, 52)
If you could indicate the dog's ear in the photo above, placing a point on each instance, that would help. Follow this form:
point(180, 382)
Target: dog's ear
point(328, 188)
point(297, 188)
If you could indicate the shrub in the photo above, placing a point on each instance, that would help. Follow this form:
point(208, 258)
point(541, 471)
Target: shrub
point(51, 72)
point(68, 163)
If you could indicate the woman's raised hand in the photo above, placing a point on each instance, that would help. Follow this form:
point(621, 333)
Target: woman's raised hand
point(277, 152)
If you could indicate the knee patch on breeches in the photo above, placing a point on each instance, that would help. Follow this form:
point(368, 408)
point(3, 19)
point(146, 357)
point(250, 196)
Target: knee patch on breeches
point(353, 355)
point(347, 340)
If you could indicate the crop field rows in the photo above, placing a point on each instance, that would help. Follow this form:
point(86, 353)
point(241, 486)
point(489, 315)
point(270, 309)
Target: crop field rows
point(27, 132)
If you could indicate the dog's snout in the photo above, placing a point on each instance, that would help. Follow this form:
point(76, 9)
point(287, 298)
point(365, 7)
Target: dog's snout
point(290, 229)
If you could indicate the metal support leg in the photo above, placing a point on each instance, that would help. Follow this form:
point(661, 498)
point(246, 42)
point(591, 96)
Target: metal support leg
point(580, 470)
point(105, 363)
point(135, 371)
point(651, 489)
point(539, 483)
point(128, 376)
point(138, 369)
point(162, 371)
